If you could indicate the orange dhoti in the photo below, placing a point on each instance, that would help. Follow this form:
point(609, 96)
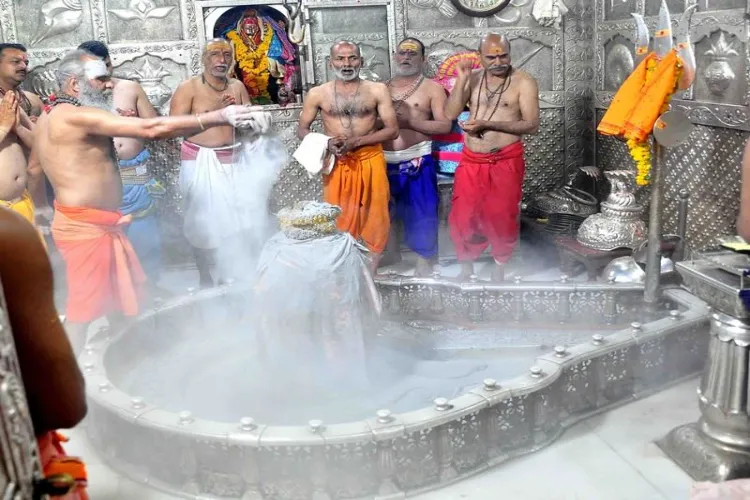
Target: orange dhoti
point(103, 271)
point(359, 185)
point(56, 462)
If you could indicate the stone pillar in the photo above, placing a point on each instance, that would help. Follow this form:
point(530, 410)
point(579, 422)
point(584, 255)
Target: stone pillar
point(717, 447)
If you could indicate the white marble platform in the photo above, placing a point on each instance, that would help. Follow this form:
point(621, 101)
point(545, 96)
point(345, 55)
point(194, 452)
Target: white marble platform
point(608, 457)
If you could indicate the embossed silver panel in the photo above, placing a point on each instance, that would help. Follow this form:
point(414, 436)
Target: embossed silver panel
point(367, 26)
point(137, 20)
point(720, 69)
point(19, 456)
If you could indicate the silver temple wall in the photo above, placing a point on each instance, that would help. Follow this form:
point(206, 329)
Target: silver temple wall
point(578, 67)
point(707, 165)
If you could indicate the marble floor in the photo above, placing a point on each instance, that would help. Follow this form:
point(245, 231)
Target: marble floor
point(608, 457)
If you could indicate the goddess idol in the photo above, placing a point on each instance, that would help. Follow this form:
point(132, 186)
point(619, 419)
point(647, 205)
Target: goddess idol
point(264, 55)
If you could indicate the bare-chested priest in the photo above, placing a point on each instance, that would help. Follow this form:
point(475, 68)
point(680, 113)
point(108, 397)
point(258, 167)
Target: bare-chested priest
point(140, 189)
point(412, 172)
point(504, 105)
point(208, 157)
point(75, 146)
point(15, 142)
point(351, 109)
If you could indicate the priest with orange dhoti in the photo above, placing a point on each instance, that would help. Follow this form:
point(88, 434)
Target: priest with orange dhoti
point(358, 116)
point(75, 147)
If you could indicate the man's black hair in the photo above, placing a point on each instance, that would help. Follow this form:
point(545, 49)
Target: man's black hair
point(11, 46)
point(415, 40)
point(96, 48)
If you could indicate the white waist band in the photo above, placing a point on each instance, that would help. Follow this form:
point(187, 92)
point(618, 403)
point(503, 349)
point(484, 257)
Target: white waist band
point(416, 151)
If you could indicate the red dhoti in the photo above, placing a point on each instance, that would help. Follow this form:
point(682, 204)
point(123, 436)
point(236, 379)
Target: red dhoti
point(103, 271)
point(486, 203)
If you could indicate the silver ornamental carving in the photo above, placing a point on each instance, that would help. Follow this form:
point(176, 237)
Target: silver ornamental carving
point(618, 66)
point(719, 75)
point(142, 10)
point(566, 200)
point(58, 17)
point(367, 71)
point(150, 76)
point(619, 224)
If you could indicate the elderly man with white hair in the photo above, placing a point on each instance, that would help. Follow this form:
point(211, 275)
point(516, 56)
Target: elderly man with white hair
point(74, 146)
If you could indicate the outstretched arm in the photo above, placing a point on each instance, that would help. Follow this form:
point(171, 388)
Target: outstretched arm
point(310, 110)
point(54, 384)
point(99, 122)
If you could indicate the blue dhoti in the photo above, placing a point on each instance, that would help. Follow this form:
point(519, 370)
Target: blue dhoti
point(138, 191)
point(414, 196)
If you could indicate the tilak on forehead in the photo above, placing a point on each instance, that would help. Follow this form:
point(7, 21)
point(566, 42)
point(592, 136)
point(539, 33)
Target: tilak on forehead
point(409, 45)
point(217, 45)
point(95, 69)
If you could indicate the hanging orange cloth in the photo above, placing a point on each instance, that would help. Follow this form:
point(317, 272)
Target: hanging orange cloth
point(359, 185)
point(626, 98)
point(654, 95)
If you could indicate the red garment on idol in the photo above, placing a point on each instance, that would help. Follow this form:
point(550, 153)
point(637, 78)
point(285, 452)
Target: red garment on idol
point(486, 203)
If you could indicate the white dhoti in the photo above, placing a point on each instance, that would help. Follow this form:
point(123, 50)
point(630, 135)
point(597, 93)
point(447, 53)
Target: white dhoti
point(226, 190)
point(209, 200)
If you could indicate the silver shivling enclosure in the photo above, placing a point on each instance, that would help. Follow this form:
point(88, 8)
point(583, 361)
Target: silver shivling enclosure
point(456, 377)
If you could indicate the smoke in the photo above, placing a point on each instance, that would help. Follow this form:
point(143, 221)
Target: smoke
point(254, 173)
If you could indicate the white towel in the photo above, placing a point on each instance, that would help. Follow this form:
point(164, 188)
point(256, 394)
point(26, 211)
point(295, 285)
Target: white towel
point(313, 155)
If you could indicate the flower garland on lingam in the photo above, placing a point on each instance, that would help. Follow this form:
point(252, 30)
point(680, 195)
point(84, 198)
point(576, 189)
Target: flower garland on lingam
point(647, 91)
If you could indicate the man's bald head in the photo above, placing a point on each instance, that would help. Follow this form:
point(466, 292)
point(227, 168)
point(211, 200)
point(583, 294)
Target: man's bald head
point(345, 45)
point(494, 39)
point(494, 52)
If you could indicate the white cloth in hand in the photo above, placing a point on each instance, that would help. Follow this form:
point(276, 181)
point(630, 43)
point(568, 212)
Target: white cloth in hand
point(247, 117)
point(313, 154)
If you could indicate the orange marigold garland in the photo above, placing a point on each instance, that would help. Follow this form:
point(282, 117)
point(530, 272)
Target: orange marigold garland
point(253, 64)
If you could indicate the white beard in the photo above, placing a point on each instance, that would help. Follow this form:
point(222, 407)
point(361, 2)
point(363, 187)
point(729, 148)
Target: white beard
point(89, 96)
point(346, 78)
point(408, 70)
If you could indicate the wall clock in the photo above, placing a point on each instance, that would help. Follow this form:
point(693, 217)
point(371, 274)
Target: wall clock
point(480, 8)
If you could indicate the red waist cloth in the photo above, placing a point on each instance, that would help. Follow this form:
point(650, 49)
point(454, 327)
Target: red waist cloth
point(103, 272)
point(55, 461)
point(486, 203)
point(225, 154)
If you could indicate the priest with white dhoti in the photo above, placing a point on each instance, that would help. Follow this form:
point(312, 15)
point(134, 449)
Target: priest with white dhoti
point(226, 175)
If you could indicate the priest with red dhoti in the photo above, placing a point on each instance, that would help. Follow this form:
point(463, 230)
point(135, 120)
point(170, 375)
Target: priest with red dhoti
point(504, 105)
